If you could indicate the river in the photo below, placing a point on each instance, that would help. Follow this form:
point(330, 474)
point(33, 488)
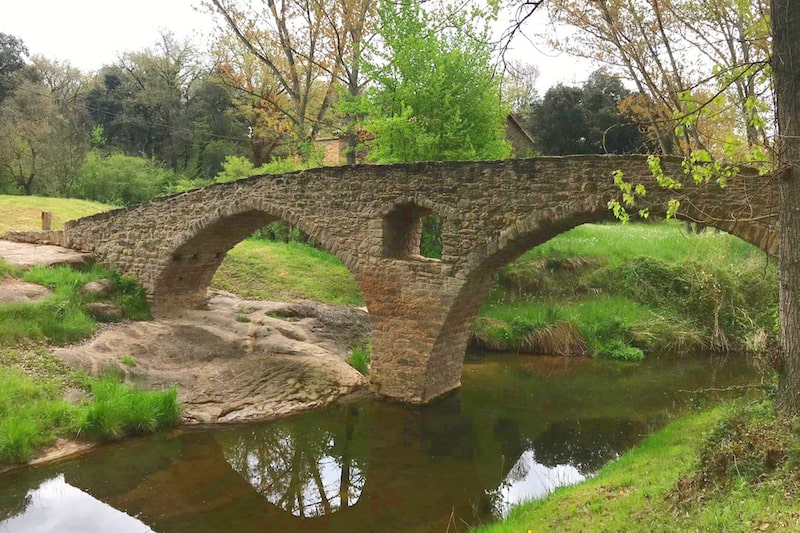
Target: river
point(519, 427)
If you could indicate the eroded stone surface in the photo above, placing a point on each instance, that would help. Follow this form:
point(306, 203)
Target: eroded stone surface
point(27, 255)
point(237, 360)
point(13, 290)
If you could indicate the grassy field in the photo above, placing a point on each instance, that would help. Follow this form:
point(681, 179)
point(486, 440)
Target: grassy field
point(25, 212)
point(732, 469)
point(268, 270)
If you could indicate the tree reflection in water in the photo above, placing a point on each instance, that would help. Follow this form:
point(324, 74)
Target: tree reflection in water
point(307, 471)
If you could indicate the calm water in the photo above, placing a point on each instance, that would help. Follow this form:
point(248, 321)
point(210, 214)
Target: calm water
point(519, 427)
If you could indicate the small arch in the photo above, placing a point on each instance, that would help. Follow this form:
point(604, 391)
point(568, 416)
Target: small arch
point(411, 231)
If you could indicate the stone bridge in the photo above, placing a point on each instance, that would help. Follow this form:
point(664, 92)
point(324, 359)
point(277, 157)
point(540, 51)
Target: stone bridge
point(421, 309)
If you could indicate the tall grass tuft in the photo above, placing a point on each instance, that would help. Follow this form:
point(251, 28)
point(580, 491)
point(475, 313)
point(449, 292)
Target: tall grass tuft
point(360, 357)
point(118, 410)
point(32, 415)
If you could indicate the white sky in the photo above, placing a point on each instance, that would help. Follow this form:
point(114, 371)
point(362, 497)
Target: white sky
point(91, 33)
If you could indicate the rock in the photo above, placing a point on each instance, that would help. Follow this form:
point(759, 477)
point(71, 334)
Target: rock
point(224, 375)
point(29, 255)
point(104, 311)
point(100, 288)
point(13, 290)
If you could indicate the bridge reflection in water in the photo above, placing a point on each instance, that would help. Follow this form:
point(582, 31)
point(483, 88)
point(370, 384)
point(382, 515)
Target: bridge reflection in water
point(519, 428)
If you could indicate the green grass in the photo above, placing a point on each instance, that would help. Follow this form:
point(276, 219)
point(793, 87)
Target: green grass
point(62, 318)
point(664, 241)
point(33, 414)
point(267, 270)
point(624, 291)
point(654, 486)
point(25, 212)
point(118, 410)
point(360, 357)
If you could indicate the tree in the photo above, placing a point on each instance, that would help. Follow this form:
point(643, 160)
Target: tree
point(586, 120)
point(786, 67)
point(650, 42)
point(306, 49)
point(12, 60)
point(435, 95)
point(519, 88)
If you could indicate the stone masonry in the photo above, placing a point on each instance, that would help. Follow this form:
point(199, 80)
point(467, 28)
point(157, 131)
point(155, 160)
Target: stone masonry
point(369, 216)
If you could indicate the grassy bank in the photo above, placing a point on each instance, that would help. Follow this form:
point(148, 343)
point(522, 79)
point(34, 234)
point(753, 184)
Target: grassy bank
point(624, 291)
point(730, 469)
point(63, 316)
point(34, 383)
point(25, 212)
point(268, 270)
point(34, 413)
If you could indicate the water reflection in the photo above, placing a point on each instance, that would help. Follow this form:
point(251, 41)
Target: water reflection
point(56, 505)
point(305, 476)
point(529, 479)
point(518, 429)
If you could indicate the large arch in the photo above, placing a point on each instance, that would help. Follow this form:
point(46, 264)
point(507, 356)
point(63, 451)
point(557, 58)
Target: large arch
point(184, 273)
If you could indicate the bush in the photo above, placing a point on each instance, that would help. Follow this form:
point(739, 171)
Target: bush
point(121, 180)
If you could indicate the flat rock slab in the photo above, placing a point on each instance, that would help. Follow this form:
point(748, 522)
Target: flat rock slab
point(28, 255)
point(237, 360)
point(16, 291)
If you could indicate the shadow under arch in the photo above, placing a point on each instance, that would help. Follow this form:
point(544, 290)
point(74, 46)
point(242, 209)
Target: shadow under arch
point(192, 256)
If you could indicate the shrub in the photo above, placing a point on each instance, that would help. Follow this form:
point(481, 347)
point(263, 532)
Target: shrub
point(121, 180)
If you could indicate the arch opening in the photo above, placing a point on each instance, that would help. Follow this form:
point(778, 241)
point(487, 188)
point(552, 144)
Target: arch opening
point(273, 259)
point(412, 232)
point(481, 281)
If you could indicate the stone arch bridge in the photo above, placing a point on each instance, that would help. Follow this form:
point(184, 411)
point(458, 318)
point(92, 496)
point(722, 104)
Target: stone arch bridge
point(369, 217)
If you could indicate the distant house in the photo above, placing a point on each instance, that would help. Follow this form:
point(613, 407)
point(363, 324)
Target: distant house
point(521, 140)
point(522, 144)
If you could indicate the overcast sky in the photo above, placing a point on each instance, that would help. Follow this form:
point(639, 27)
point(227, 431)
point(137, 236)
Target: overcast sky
point(91, 33)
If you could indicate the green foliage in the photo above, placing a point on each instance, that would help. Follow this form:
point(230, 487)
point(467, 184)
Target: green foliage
point(431, 244)
point(118, 410)
point(120, 179)
point(435, 95)
point(359, 357)
point(586, 120)
point(236, 168)
point(128, 360)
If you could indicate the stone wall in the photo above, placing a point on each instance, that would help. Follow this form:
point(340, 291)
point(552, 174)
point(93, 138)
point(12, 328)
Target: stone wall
point(368, 216)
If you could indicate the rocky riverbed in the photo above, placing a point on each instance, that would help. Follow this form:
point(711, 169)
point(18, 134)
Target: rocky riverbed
point(235, 360)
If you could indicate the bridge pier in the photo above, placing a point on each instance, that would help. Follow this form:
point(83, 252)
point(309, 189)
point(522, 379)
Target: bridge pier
point(421, 322)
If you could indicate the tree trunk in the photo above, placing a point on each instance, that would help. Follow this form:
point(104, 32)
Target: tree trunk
point(786, 65)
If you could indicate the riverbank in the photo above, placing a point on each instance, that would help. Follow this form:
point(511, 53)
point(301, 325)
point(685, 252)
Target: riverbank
point(733, 468)
point(233, 361)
